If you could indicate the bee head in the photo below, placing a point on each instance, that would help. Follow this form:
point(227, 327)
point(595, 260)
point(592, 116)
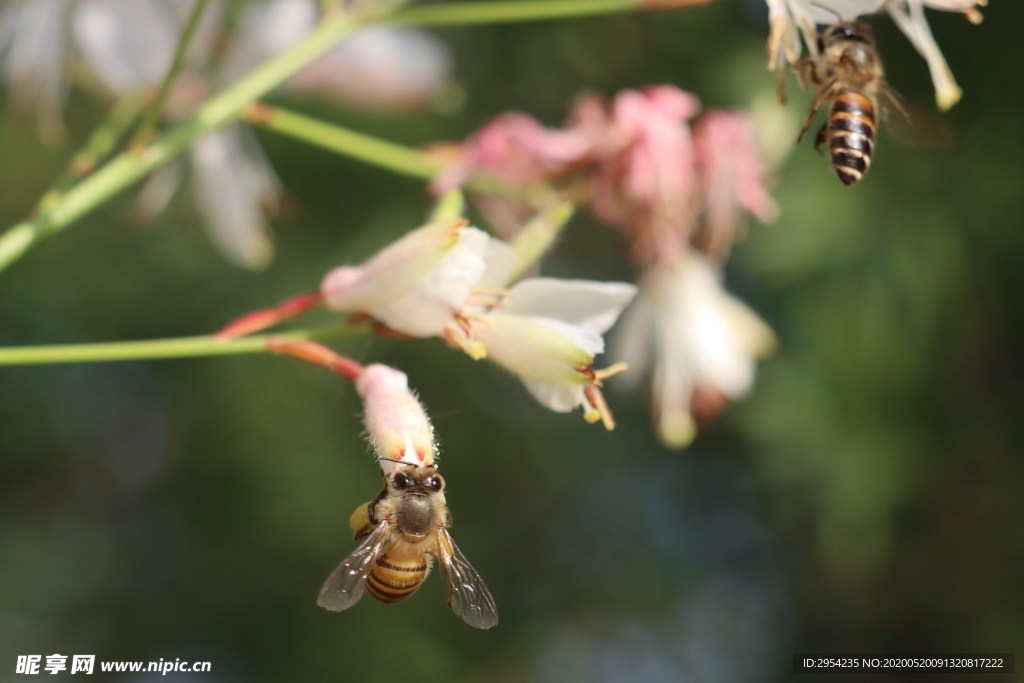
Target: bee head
point(415, 479)
point(849, 31)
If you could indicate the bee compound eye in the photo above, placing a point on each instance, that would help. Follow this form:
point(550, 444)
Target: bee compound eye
point(435, 482)
point(401, 481)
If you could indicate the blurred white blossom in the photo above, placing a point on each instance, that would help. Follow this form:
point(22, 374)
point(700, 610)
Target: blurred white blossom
point(33, 50)
point(380, 67)
point(126, 46)
point(703, 342)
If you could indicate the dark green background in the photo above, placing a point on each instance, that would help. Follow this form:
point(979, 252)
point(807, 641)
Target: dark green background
point(865, 497)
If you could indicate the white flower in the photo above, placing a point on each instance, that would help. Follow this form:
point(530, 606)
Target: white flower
point(548, 331)
point(264, 29)
point(701, 339)
point(380, 67)
point(128, 44)
point(233, 185)
point(418, 284)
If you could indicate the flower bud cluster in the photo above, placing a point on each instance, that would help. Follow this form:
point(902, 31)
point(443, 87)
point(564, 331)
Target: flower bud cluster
point(682, 195)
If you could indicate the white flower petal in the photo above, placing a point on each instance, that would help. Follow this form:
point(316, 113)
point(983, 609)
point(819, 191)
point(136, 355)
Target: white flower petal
point(383, 67)
point(633, 340)
point(591, 342)
point(915, 26)
point(593, 306)
point(501, 259)
point(393, 272)
point(561, 398)
point(265, 29)
point(231, 184)
point(157, 192)
point(538, 348)
point(829, 12)
point(673, 385)
point(32, 48)
point(429, 308)
point(128, 43)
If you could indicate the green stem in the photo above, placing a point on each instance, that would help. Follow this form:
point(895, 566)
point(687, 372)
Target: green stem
point(464, 13)
point(401, 159)
point(223, 108)
point(398, 158)
point(182, 347)
point(97, 147)
point(148, 126)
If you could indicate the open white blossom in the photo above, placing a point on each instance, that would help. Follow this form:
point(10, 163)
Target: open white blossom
point(791, 18)
point(417, 285)
point(703, 342)
point(548, 331)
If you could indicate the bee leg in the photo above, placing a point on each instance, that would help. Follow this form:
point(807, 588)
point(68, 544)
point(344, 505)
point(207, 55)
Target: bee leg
point(820, 138)
point(372, 507)
point(780, 86)
point(825, 93)
point(807, 73)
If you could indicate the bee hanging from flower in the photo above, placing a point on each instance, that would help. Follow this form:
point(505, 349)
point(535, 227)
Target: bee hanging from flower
point(849, 77)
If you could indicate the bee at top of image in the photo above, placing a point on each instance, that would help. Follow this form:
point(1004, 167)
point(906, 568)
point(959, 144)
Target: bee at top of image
point(401, 530)
point(847, 75)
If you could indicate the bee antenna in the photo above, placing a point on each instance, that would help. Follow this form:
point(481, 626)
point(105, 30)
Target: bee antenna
point(829, 10)
point(403, 462)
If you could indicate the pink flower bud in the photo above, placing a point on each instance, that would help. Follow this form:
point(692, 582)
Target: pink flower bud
point(732, 177)
point(397, 424)
point(648, 186)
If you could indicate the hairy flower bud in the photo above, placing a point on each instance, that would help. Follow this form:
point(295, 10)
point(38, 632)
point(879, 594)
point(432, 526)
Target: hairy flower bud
point(397, 424)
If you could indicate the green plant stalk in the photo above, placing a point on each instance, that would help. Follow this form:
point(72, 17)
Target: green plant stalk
point(181, 347)
point(401, 159)
point(219, 110)
point(466, 13)
point(100, 143)
point(394, 157)
point(152, 119)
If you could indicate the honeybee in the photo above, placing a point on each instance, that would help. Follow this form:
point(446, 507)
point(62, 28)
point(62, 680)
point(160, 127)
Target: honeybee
point(401, 530)
point(854, 85)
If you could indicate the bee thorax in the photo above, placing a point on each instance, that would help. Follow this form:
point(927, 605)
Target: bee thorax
point(415, 515)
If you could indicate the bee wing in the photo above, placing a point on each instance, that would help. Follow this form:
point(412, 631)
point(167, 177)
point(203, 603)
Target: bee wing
point(464, 590)
point(911, 124)
point(346, 584)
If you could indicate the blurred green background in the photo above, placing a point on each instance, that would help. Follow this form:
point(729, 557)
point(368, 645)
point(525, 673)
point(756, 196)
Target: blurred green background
point(866, 497)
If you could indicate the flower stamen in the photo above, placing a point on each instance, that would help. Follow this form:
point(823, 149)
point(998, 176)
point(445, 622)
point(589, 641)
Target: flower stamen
point(598, 407)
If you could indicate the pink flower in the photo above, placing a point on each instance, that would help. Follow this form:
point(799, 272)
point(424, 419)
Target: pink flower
point(731, 178)
point(648, 185)
point(516, 148)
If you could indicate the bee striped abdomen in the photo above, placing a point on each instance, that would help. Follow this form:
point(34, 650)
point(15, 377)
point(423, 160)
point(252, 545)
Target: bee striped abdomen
point(851, 134)
point(391, 579)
